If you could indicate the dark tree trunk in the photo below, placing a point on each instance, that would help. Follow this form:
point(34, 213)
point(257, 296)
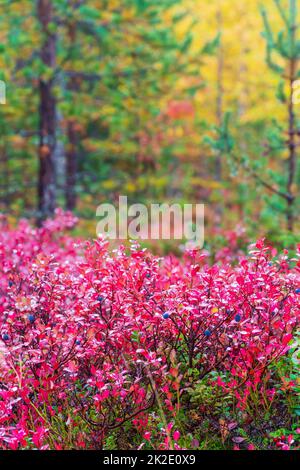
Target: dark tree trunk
point(219, 114)
point(72, 134)
point(220, 92)
point(292, 151)
point(71, 166)
point(47, 113)
point(5, 181)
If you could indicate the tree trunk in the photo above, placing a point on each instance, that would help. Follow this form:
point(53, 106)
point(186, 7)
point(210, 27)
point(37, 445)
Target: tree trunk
point(72, 148)
point(71, 167)
point(220, 91)
point(5, 181)
point(47, 114)
point(292, 123)
point(292, 153)
point(219, 111)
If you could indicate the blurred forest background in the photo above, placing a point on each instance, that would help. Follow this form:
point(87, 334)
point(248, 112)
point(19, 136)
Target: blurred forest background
point(159, 100)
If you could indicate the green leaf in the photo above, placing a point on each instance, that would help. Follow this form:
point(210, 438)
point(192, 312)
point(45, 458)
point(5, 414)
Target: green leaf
point(88, 12)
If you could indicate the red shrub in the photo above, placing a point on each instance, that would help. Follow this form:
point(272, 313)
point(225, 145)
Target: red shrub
point(88, 336)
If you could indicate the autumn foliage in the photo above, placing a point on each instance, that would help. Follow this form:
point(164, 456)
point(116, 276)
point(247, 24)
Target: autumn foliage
point(94, 340)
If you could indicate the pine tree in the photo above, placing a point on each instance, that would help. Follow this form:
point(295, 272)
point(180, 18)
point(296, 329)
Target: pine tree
point(285, 45)
point(47, 112)
point(93, 76)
